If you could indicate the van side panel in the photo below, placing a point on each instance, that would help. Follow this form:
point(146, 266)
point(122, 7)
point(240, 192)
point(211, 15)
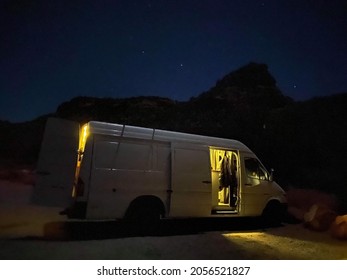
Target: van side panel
point(122, 170)
point(191, 181)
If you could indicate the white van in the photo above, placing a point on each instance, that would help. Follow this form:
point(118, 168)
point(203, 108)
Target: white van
point(111, 171)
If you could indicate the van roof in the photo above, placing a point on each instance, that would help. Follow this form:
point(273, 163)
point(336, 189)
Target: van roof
point(121, 130)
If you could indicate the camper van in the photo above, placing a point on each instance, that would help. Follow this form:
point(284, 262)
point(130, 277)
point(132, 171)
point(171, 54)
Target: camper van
point(103, 171)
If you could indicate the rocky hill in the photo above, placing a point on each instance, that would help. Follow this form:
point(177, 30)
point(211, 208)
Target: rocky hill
point(240, 98)
point(304, 141)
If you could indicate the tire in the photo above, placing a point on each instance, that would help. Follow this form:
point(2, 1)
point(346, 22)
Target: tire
point(273, 214)
point(144, 218)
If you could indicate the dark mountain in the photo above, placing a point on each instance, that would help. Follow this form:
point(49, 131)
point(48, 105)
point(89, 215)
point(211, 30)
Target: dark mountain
point(241, 99)
point(308, 142)
point(304, 141)
point(239, 104)
point(251, 85)
point(147, 111)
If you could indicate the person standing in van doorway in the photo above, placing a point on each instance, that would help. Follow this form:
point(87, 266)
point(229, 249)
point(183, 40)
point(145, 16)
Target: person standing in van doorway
point(224, 178)
point(228, 180)
point(233, 181)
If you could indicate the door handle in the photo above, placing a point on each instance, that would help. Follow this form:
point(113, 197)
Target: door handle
point(206, 182)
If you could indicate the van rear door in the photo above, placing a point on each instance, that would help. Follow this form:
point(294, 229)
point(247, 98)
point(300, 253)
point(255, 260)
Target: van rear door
point(57, 163)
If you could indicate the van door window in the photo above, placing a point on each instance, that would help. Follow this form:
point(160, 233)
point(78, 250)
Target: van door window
point(255, 170)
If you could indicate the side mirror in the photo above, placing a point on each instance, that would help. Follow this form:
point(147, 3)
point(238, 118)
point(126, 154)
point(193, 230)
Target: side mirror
point(271, 174)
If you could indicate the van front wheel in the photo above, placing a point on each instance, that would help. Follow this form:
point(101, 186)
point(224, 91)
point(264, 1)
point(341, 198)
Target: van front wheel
point(273, 213)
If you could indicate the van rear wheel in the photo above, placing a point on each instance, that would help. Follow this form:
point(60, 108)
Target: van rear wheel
point(144, 218)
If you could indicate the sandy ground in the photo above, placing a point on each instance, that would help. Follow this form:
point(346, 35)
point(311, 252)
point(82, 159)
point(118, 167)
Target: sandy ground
point(32, 232)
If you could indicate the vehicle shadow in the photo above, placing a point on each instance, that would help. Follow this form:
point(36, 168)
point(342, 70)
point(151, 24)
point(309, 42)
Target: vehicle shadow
point(82, 230)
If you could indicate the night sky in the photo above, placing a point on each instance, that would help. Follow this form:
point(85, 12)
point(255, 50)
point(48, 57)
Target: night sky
point(52, 51)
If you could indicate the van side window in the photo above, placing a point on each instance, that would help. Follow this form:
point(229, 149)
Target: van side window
point(255, 170)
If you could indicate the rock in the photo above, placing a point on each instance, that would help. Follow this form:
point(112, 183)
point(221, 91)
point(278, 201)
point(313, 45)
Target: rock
point(338, 227)
point(319, 217)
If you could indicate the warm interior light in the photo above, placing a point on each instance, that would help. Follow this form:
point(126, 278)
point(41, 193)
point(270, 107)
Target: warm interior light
point(83, 138)
point(81, 146)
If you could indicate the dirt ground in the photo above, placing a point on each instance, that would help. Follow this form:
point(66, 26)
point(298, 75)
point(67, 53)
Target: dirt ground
point(32, 232)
